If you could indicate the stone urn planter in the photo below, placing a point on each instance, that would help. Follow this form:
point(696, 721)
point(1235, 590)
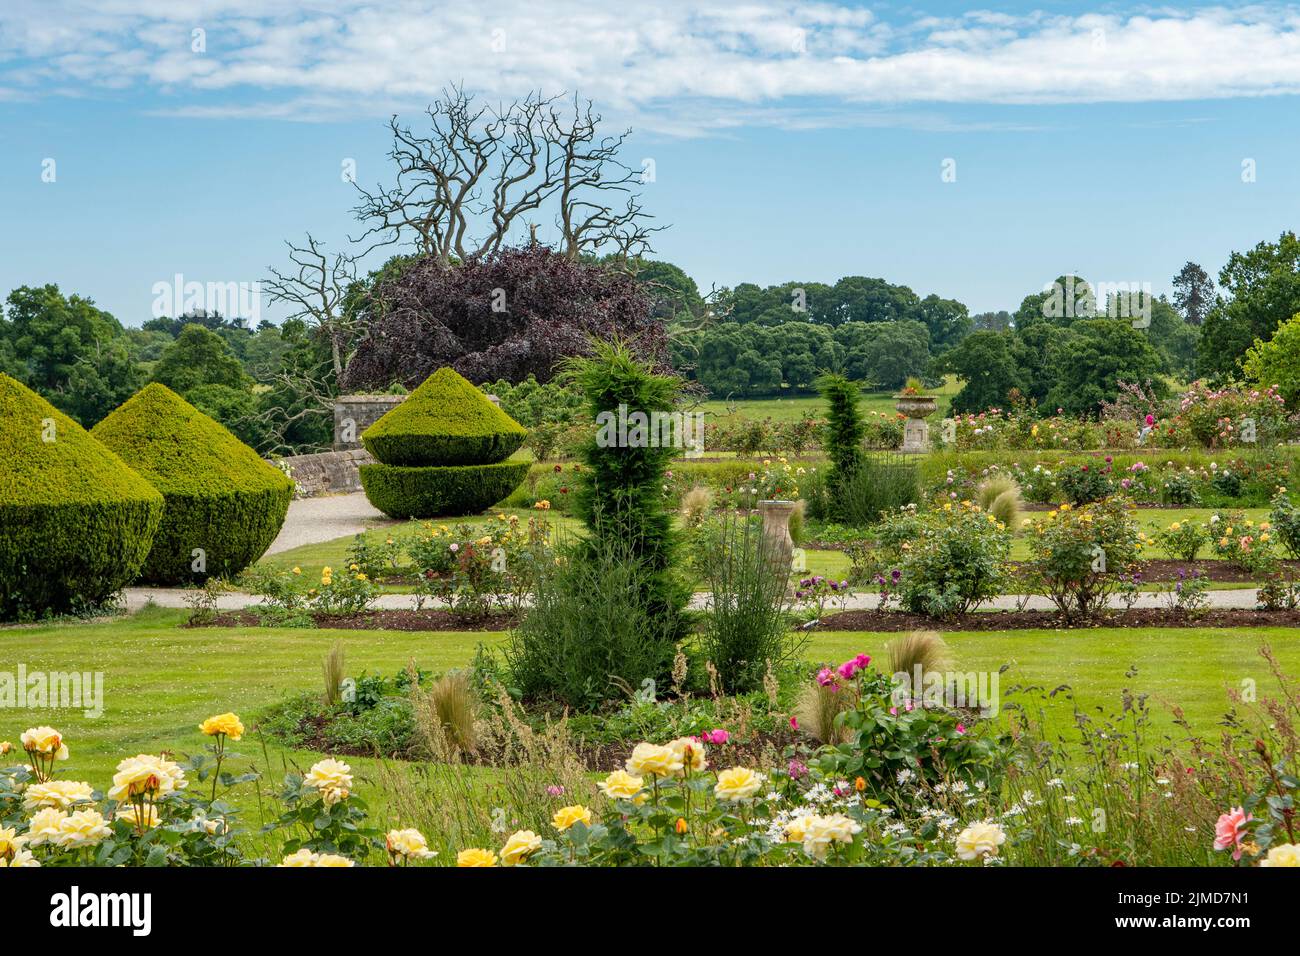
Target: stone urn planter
point(916, 433)
point(776, 531)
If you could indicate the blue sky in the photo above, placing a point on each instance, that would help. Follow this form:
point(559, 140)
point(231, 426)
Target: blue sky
point(791, 141)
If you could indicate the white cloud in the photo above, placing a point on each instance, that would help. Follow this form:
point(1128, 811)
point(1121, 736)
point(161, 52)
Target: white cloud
point(676, 67)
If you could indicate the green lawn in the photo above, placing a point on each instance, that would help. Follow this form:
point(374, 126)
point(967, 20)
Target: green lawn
point(160, 679)
point(795, 407)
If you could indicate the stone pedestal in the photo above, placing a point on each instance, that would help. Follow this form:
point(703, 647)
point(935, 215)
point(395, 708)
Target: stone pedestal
point(916, 433)
point(353, 414)
point(916, 436)
point(776, 532)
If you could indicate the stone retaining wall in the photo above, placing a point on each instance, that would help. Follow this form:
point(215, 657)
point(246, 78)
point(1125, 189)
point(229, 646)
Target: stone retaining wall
point(353, 414)
point(328, 472)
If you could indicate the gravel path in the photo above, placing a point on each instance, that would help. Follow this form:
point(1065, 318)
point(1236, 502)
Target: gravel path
point(313, 520)
point(136, 598)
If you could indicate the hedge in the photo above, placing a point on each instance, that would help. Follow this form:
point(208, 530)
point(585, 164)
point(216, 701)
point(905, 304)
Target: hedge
point(75, 521)
point(221, 498)
point(436, 491)
point(446, 421)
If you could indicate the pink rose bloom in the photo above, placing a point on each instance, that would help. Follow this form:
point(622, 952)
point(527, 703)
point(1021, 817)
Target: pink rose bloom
point(826, 677)
point(1227, 832)
point(847, 669)
point(862, 660)
point(794, 723)
point(1151, 420)
point(961, 728)
point(716, 736)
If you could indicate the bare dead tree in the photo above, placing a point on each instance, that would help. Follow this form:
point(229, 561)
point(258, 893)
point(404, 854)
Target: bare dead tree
point(315, 290)
point(466, 185)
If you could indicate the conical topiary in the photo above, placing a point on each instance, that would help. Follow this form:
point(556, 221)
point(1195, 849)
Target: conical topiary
point(442, 452)
point(446, 421)
point(224, 504)
point(75, 521)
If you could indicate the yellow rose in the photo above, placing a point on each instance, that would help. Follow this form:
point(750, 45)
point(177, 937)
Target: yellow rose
point(297, 570)
point(302, 858)
point(146, 820)
point(60, 794)
point(227, 724)
point(821, 832)
point(980, 840)
point(690, 752)
point(81, 829)
point(798, 827)
point(22, 860)
point(146, 775)
point(566, 817)
point(45, 741)
point(44, 826)
point(476, 857)
point(1286, 854)
point(653, 760)
point(738, 783)
point(332, 859)
point(409, 845)
point(621, 785)
point(520, 847)
point(5, 747)
point(329, 774)
point(1175, 526)
point(10, 842)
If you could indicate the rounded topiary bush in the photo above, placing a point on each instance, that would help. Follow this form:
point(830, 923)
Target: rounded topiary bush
point(75, 521)
point(224, 504)
point(446, 421)
point(402, 491)
point(442, 452)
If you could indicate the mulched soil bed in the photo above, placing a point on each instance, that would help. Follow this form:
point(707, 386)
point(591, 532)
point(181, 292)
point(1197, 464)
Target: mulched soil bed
point(598, 758)
point(390, 620)
point(1033, 620)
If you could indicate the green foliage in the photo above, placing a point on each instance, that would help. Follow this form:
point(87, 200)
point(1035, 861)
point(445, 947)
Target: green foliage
point(221, 499)
point(1277, 362)
point(843, 435)
point(445, 421)
point(1084, 483)
point(1261, 292)
point(441, 452)
point(895, 738)
point(1078, 557)
point(69, 351)
point(435, 491)
point(619, 494)
point(952, 560)
point(198, 357)
point(1285, 519)
point(1095, 358)
point(1183, 539)
point(746, 631)
point(594, 630)
point(75, 522)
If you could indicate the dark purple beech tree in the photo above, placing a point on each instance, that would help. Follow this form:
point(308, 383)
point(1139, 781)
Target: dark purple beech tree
point(506, 314)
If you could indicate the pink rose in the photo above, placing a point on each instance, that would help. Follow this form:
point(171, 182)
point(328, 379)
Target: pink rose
point(1228, 831)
